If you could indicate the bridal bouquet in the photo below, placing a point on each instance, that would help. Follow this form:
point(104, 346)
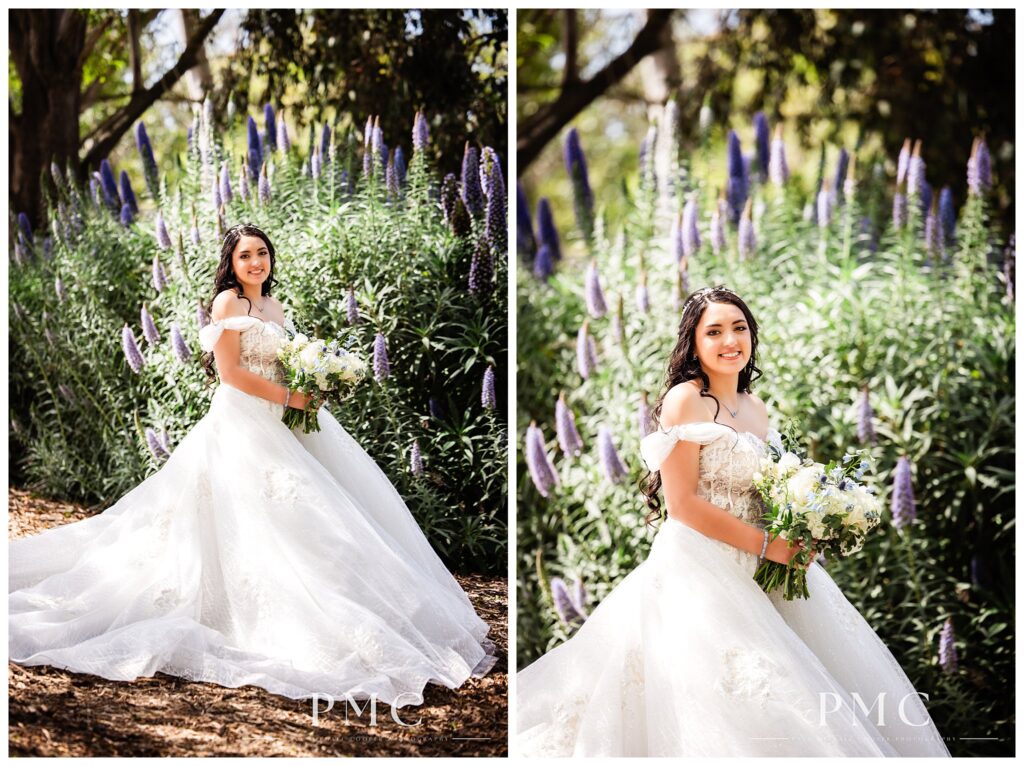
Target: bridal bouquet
point(314, 365)
point(824, 505)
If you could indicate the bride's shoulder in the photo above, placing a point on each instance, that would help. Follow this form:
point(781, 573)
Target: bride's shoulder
point(761, 406)
point(227, 304)
point(682, 404)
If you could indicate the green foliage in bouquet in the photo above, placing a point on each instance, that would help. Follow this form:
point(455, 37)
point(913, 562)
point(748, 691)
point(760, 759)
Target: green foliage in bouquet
point(886, 318)
point(106, 310)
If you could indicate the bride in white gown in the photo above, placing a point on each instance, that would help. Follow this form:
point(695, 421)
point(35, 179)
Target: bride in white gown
point(256, 554)
point(687, 656)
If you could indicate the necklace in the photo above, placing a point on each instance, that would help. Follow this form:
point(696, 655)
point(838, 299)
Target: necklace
point(730, 411)
point(260, 308)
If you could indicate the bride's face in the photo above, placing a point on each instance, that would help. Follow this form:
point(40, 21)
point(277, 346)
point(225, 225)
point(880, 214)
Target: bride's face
point(722, 341)
point(251, 261)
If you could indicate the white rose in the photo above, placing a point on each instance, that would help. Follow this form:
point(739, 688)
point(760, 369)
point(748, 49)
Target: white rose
point(300, 340)
point(310, 356)
point(802, 482)
point(788, 462)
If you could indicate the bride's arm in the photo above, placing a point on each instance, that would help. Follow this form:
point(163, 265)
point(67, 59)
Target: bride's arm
point(679, 475)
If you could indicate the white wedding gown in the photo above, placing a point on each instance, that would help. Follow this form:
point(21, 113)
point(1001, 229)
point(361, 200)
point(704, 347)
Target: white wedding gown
point(255, 555)
point(687, 656)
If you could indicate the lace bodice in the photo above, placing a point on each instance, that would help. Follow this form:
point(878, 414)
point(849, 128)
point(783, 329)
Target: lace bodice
point(259, 341)
point(728, 460)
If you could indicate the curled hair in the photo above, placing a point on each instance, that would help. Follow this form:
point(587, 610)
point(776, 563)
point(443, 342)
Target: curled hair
point(683, 365)
point(226, 279)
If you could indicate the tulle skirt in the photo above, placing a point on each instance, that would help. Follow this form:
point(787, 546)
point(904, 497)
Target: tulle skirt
point(688, 657)
point(255, 555)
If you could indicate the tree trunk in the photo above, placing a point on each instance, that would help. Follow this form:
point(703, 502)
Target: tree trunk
point(46, 48)
point(199, 80)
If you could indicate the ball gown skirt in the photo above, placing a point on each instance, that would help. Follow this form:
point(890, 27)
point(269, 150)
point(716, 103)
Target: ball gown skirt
point(687, 656)
point(255, 555)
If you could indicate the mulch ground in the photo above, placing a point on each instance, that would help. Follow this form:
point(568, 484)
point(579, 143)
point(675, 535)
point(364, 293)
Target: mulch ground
point(56, 713)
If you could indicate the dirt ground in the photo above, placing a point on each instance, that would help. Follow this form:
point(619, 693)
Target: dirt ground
point(56, 713)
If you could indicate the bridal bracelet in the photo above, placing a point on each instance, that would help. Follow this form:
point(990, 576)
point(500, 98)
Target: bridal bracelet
point(288, 398)
point(764, 546)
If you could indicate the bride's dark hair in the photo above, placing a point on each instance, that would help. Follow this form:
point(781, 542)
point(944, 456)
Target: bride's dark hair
point(226, 279)
point(684, 365)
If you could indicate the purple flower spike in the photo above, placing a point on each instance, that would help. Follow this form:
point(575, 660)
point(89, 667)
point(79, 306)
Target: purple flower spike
point(126, 215)
point(181, 349)
point(676, 238)
point(899, 210)
point(165, 441)
point(131, 350)
point(586, 352)
point(526, 243)
point(979, 168)
point(148, 160)
point(567, 612)
point(614, 470)
point(351, 307)
point(824, 208)
point(691, 237)
point(915, 171)
point(576, 167)
point(542, 470)
point(903, 163)
point(270, 124)
point(947, 213)
point(202, 318)
point(904, 507)
point(325, 140)
point(420, 133)
point(400, 169)
point(163, 238)
point(747, 237)
point(543, 265)
point(579, 598)
point(488, 396)
point(149, 327)
point(226, 195)
point(718, 228)
point(761, 141)
point(546, 229)
point(947, 648)
point(842, 166)
point(865, 419)
point(283, 143)
point(618, 333)
point(596, 306)
point(254, 154)
point(643, 296)
point(415, 459)
point(391, 181)
point(127, 194)
point(108, 185)
point(778, 169)
point(932, 233)
point(264, 187)
point(643, 416)
point(565, 428)
point(736, 183)
point(243, 184)
point(481, 269)
point(381, 364)
point(155, 446)
point(472, 194)
point(159, 277)
point(492, 180)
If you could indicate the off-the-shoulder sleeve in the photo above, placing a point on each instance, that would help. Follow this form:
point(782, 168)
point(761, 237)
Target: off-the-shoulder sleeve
point(657, 446)
point(289, 325)
point(210, 334)
point(775, 439)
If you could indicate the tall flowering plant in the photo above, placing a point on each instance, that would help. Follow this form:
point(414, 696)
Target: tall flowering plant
point(314, 365)
point(826, 506)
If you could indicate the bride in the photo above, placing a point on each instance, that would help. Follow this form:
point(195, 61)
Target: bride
point(687, 656)
point(255, 555)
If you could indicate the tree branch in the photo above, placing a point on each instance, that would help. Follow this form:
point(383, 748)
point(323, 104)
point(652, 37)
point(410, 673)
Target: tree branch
point(570, 42)
point(536, 131)
point(110, 132)
point(93, 38)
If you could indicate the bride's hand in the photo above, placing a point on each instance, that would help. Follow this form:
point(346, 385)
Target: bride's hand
point(782, 551)
point(300, 400)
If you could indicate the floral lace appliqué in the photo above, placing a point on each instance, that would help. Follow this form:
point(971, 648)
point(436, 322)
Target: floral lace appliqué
point(747, 675)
